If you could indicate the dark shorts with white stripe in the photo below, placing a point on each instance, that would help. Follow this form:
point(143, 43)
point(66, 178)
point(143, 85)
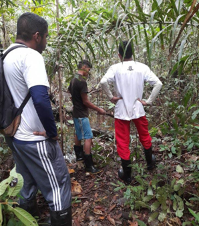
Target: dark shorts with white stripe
point(43, 167)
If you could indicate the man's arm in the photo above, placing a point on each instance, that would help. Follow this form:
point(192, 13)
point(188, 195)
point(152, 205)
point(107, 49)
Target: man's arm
point(156, 89)
point(43, 108)
point(106, 88)
point(90, 105)
point(154, 81)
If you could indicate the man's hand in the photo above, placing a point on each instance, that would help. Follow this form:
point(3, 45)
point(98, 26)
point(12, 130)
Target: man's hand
point(143, 102)
point(43, 133)
point(101, 111)
point(115, 99)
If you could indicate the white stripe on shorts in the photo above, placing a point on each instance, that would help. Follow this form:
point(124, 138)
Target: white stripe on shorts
point(41, 147)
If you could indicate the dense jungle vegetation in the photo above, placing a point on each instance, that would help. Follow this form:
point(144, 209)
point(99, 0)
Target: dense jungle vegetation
point(165, 36)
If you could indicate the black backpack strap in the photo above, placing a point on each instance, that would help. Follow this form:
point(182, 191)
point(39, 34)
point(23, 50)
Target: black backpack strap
point(28, 95)
point(24, 102)
point(12, 48)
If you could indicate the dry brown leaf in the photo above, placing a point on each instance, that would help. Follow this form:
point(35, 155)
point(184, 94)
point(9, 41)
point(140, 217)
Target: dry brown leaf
point(114, 198)
point(177, 175)
point(76, 187)
point(100, 199)
point(111, 220)
point(98, 211)
point(71, 170)
point(118, 216)
point(100, 208)
point(111, 208)
point(135, 223)
point(176, 220)
point(96, 195)
point(194, 158)
point(101, 217)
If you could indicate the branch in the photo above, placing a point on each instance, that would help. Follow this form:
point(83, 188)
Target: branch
point(187, 19)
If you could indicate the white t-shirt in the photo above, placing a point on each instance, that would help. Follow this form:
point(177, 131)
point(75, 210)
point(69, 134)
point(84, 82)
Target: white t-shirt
point(25, 68)
point(128, 78)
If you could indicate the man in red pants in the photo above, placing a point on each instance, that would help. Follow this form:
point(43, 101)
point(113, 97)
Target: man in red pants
point(128, 78)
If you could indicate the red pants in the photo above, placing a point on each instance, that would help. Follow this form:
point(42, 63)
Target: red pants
point(122, 134)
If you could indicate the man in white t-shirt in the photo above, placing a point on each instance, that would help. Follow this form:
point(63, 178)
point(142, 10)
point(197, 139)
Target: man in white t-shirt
point(36, 152)
point(128, 78)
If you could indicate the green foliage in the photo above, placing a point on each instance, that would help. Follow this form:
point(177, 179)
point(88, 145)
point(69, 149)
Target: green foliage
point(162, 196)
point(9, 190)
point(93, 30)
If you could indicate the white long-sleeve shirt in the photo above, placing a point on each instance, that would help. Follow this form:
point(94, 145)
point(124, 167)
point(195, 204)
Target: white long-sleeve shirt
point(128, 78)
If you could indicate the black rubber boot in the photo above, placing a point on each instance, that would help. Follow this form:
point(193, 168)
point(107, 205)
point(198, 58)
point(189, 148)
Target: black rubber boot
point(150, 158)
point(61, 218)
point(125, 173)
point(88, 160)
point(79, 152)
point(30, 206)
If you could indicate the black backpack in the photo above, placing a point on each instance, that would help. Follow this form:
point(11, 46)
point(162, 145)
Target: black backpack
point(10, 116)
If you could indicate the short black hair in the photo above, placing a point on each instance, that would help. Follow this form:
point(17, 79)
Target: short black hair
point(30, 23)
point(125, 49)
point(84, 62)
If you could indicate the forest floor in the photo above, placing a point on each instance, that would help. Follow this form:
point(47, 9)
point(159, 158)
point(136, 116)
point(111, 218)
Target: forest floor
point(100, 200)
point(95, 202)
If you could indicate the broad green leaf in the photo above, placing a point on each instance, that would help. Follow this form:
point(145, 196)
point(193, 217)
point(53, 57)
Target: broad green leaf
point(190, 146)
point(179, 213)
point(179, 169)
point(153, 216)
point(13, 191)
point(154, 206)
point(23, 216)
point(4, 184)
point(179, 206)
point(194, 114)
point(177, 187)
point(149, 191)
point(147, 198)
point(141, 204)
point(181, 181)
point(141, 223)
point(13, 172)
point(182, 46)
point(162, 216)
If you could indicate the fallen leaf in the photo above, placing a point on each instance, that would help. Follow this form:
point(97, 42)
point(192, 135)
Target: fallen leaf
point(100, 208)
point(111, 208)
point(71, 170)
point(177, 175)
point(97, 211)
point(76, 187)
point(96, 195)
point(101, 217)
point(176, 220)
point(111, 220)
point(135, 223)
point(118, 216)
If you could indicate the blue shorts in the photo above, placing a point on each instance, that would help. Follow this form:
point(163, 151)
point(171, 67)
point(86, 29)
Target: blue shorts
point(82, 128)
